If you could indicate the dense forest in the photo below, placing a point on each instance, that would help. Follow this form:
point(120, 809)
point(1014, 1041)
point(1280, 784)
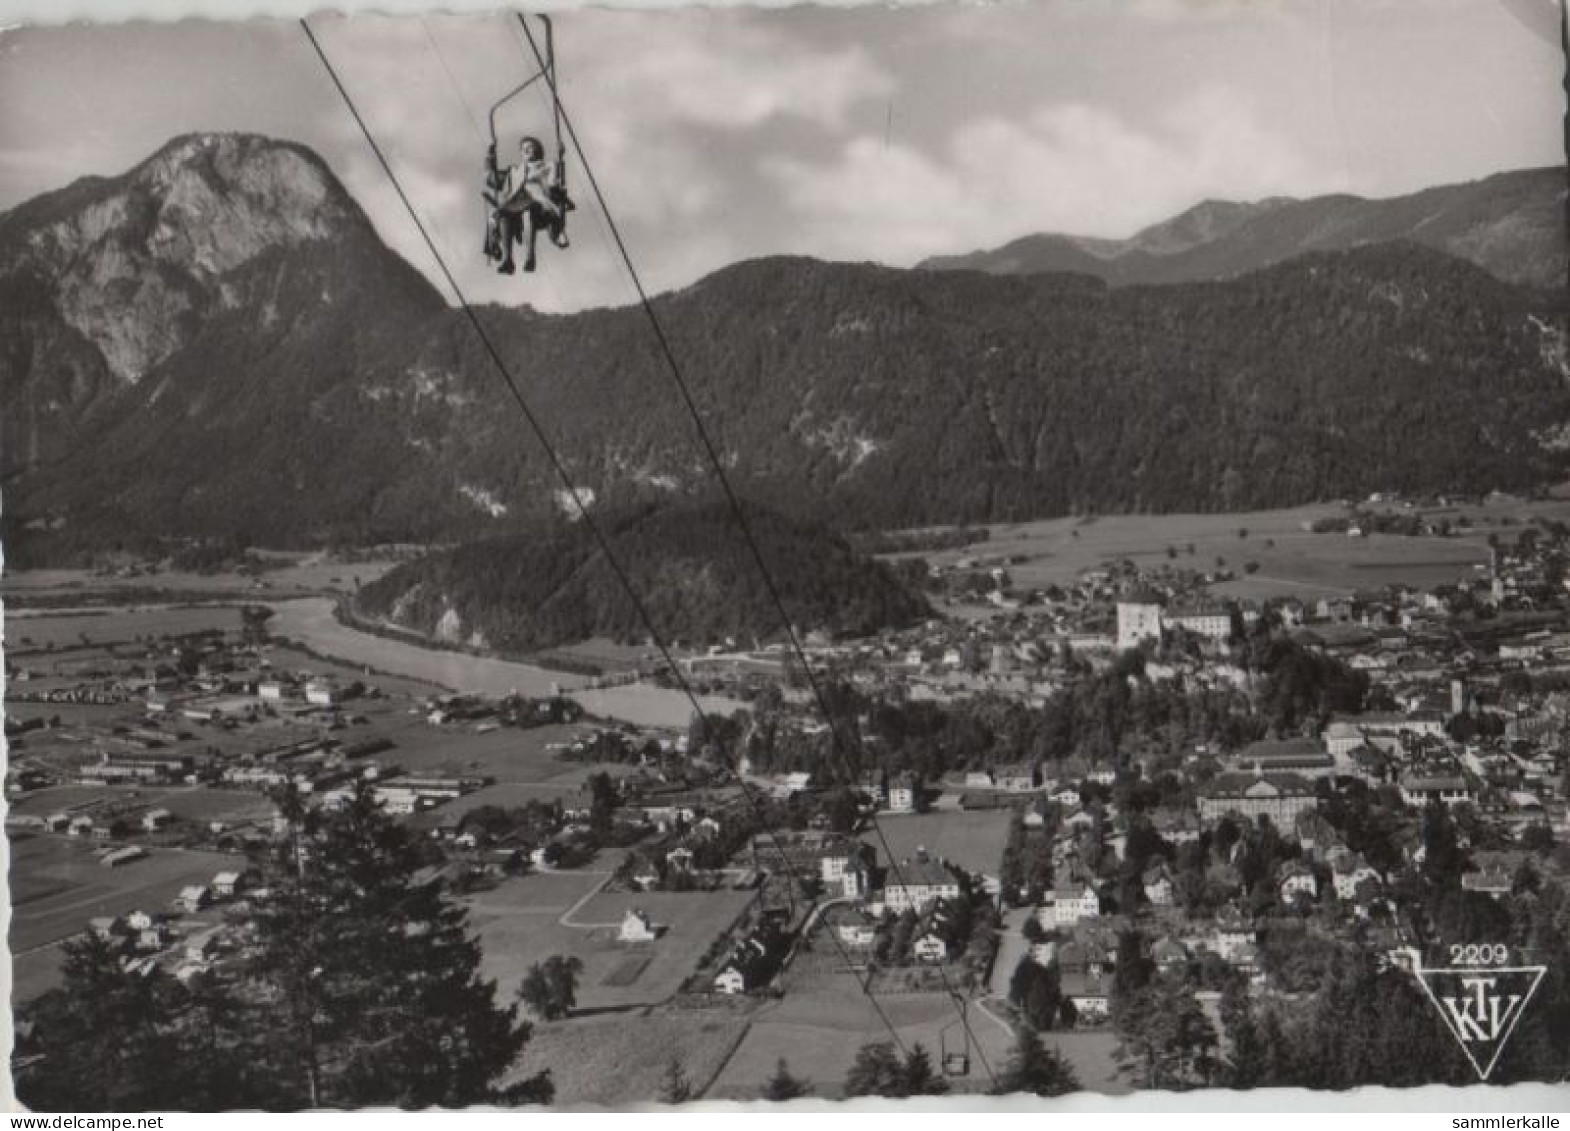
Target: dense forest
point(325, 394)
point(689, 564)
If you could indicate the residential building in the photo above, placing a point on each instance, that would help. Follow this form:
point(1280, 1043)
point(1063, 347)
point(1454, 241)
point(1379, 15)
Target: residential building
point(856, 928)
point(918, 884)
point(1072, 903)
point(192, 899)
point(1288, 755)
point(635, 927)
point(1016, 779)
point(930, 947)
point(1157, 882)
point(1090, 994)
point(1294, 880)
point(1418, 789)
point(1281, 797)
point(1349, 871)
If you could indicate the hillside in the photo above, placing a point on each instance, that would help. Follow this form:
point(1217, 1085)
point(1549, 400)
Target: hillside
point(309, 387)
point(553, 586)
point(1512, 225)
point(181, 347)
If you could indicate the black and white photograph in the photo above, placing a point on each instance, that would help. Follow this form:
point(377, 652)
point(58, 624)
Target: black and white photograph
point(609, 557)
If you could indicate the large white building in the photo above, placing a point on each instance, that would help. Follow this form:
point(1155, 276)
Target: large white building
point(1213, 624)
point(1281, 797)
point(1139, 620)
point(918, 884)
point(1417, 790)
point(1347, 732)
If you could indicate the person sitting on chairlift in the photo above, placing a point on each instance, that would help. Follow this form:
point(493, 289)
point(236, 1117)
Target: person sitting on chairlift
point(524, 197)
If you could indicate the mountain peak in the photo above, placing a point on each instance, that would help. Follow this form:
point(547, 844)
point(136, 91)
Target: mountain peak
point(1512, 224)
point(1207, 221)
point(241, 161)
point(221, 199)
point(134, 260)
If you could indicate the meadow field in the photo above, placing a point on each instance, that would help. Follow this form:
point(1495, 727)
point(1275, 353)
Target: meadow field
point(972, 839)
point(287, 574)
point(598, 652)
point(824, 1019)
point(28, 631)
point(621, 1060)
point(1290, 559)
point(507, 754)
point(57, 884)
point(530, 918)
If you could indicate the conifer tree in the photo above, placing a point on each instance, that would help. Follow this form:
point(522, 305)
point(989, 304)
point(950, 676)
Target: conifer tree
point(1036, 1069)
point(783, 1086)
point(368, 974)
point(676, 1089)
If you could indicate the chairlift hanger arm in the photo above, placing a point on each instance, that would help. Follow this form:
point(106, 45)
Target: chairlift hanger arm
point(509, 96)
point(547, 72)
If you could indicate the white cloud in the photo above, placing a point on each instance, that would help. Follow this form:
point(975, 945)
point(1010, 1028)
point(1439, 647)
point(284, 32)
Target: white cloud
point(730, 71)
point(668, 109)
point(1072, 167)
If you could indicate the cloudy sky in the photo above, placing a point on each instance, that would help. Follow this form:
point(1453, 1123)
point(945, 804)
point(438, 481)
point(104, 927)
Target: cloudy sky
point(883, 134)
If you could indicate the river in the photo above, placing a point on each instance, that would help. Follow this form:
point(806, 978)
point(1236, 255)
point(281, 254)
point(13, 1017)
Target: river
point(310, 620)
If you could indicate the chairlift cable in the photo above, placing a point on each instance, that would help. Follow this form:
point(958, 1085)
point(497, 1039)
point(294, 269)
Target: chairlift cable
point(712, 453)
point(474, 120)
point(562, 474)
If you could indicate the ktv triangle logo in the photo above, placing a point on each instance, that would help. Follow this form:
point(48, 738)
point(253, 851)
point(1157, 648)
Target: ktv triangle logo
point(1481, 1005)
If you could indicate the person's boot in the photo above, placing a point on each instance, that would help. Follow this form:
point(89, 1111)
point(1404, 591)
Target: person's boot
point(507, 267)
point(528, 264)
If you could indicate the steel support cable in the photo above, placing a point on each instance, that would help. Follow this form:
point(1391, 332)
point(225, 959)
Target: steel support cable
point(601, 540)
point(712, 453)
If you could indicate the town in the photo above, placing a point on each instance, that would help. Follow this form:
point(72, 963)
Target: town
point(1033, 812)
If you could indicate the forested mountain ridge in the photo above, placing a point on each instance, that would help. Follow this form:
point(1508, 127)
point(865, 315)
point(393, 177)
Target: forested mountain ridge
point(313, 388)
point(688, 562)
point(1510, 224)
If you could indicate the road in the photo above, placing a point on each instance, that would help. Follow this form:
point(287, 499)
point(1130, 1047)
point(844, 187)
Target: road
point(1001, 1023)
point(567, 919)
point(1012, 946)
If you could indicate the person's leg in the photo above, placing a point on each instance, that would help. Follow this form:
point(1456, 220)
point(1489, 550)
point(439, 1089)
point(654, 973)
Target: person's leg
point(558, 225)
point(508, 222)
point(528, 239)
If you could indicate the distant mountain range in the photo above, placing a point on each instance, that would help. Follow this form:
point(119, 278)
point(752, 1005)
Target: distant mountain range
point(1511, 225)
point(218, 344)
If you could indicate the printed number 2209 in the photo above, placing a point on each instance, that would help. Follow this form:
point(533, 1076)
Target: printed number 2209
point(1479, 954)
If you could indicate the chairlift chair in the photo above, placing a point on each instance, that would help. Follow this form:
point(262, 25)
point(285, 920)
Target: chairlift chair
point(491, 193)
